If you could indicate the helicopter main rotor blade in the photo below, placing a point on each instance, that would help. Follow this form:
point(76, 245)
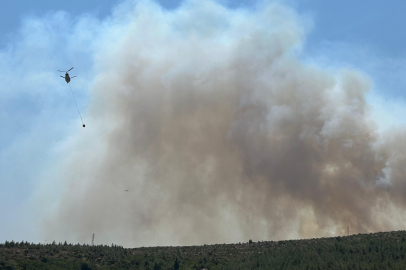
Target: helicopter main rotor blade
point(70, 69)
point(61, 71)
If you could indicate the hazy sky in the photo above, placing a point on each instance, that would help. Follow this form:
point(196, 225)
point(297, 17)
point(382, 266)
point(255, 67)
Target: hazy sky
point(38, 118)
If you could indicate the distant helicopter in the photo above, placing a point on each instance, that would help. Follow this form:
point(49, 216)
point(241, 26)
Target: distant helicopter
point(67, 78)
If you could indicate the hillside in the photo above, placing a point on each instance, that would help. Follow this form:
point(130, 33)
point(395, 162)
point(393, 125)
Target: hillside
point(384, 250)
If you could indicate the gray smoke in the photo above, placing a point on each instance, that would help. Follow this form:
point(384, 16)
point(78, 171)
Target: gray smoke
point(221, 134)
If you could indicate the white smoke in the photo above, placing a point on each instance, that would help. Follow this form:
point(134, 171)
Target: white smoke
point(221, 134)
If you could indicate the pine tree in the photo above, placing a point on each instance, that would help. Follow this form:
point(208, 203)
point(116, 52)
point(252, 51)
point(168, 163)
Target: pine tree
point(176, 264)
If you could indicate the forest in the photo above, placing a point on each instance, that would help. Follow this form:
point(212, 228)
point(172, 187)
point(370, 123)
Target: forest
point(383, 250)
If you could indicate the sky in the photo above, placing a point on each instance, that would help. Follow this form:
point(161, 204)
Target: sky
point(41, 137)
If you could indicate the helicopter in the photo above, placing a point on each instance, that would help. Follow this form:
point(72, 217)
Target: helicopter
point(66, 77)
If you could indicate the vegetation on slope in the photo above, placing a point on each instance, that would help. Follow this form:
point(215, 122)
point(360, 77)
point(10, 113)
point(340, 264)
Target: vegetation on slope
point(384, 250)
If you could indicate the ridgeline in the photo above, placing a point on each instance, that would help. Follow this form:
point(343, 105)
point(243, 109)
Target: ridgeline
point(384, 250)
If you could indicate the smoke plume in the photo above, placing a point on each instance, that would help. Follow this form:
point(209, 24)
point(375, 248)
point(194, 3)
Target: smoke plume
point(220, 133)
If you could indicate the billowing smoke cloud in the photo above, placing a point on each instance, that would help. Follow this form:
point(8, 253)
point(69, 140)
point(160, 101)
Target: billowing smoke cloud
point(221, 134)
